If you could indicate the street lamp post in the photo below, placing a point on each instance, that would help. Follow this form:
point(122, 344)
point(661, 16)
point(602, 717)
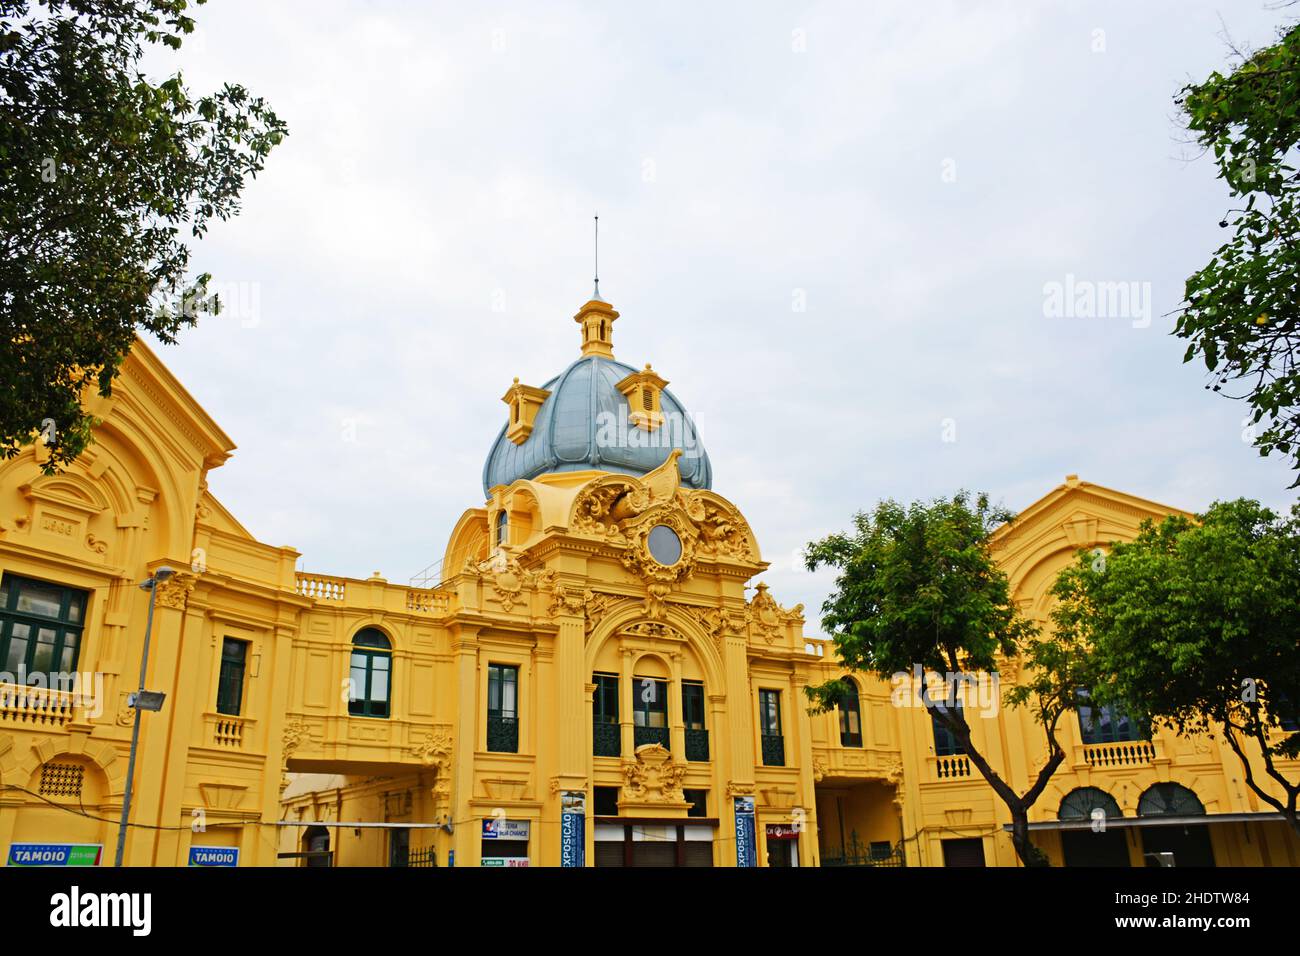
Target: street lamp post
point(150, 584)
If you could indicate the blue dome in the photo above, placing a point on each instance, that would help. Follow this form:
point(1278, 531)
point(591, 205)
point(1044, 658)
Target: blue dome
point(583, 425)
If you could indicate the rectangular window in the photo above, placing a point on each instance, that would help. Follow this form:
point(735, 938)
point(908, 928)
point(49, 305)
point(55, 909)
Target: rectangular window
point(699, 801)
point(1108, 724)
point(606, 735)
point(650, 703)
point(650, 712)
point(503, 708)
point(769, 712)
point(230, 682)
point(697, 737)
point(40, 627)
point(605, 698)
point(605, 801)
point(693, 704)
point(772, 743)
point(945, 742)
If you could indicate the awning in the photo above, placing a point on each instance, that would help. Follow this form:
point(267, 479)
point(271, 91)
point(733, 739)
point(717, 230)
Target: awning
point(1119, 823)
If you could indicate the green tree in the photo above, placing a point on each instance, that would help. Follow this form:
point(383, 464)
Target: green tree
point(1196, 625)
point(918, 586)
point(1241, 312)
point(102, 171)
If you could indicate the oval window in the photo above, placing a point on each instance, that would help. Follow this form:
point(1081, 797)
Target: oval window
point(665, 547)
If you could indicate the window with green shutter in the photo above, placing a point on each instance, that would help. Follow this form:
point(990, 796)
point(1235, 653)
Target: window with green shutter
point(40, 628)
point(230, 683)
point(371, 674)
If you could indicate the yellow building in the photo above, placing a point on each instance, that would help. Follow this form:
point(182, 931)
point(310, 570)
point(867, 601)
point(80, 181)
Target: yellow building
point(583, 680)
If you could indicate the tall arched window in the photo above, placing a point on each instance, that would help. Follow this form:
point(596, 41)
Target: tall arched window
point(371, 674)
point(503, 527)
point(850, 715)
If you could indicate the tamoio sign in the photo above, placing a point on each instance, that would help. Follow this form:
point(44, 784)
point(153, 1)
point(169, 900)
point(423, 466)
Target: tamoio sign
point(55, 854)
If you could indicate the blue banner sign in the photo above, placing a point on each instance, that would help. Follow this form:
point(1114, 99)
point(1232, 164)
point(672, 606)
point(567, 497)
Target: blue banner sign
point(573, 829)
point(214, 856)
point(746, 843)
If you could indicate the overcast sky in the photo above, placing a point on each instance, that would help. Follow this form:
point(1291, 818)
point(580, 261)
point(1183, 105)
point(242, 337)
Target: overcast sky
point(830, 226)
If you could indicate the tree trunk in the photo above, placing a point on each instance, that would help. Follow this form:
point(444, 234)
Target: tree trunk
point(1029, 854)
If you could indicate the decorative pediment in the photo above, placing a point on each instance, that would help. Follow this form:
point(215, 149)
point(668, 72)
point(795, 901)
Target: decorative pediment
point(67, 491)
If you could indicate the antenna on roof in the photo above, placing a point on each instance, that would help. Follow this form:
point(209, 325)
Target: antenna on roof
point(596, 294)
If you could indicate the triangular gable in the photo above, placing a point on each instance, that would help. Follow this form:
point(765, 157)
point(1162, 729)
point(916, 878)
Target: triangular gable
point(183, 415)
point(1075, 515)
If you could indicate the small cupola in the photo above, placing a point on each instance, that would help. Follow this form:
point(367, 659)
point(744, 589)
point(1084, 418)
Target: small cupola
point(642, 390)
point(597, 321)
point(524, 402)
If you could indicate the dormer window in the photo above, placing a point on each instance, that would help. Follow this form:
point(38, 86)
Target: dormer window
point(643, 390)
point(524, 402)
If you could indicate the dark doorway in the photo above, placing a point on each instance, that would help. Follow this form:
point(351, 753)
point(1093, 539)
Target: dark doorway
point(963, 852)
point(1190, 845)
point(780, 852)
point(399, 847)
point(1089, 848)
point(316, 847)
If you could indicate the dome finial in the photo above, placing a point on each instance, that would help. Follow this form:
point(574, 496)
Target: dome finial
point(596, 295)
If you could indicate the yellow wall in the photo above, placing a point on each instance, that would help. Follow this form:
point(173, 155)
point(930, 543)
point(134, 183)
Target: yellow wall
point(573, 592)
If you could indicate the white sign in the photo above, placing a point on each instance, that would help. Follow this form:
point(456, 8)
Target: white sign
point(494, 829)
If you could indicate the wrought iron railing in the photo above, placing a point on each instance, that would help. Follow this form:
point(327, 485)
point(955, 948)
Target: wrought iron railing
point(857, 854)
point(503, 734)
point(405, 857)
point(773, 750)
point(697, 744)
point(651, 735)
point(606, 739)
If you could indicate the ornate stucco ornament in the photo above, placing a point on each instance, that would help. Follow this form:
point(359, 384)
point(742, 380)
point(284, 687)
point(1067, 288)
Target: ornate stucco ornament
point(662, 527)
point(653, 778)
point(434, 750)
point(175, 591)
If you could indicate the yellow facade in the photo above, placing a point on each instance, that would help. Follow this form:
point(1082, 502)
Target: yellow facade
point(487, 681)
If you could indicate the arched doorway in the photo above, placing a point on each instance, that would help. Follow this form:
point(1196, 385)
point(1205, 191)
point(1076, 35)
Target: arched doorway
point(1099, 845)
point(1189, 844)
point(316, 847)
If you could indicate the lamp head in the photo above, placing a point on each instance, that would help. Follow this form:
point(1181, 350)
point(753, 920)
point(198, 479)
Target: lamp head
point(160, 574)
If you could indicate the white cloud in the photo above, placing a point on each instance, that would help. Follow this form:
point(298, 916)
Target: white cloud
point(445, 160)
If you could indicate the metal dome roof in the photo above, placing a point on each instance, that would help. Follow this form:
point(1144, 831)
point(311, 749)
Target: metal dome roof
point(583, 424)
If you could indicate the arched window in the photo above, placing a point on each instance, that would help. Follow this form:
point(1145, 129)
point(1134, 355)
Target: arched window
point(371, 676)
point(1169, 800)
point(850, 715)
point(1082, 802)
point(503, 527)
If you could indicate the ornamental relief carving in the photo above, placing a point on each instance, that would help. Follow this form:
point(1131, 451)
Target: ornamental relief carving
point(654, 630)
point(567, 600)
point(175, 591)
point(638, 558)
point(434, 750)
point(653, 778)
point(762, 618)
point(623, 510)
